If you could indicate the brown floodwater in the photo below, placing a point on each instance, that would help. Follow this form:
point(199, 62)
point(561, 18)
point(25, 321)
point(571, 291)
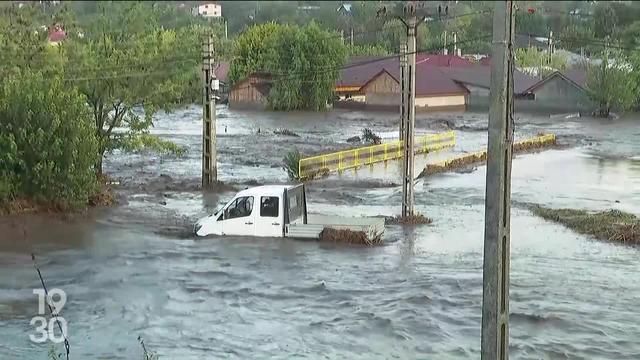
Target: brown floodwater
point(133, 270)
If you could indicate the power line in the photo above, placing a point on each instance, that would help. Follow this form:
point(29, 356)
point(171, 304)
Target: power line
point(593, 41)
point(379, 59)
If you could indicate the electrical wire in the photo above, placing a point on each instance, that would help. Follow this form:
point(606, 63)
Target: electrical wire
point(597, 42)
point(378, 59)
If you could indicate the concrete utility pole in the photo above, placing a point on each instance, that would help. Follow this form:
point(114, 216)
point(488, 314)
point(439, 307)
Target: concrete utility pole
point(455, 43)
point(495, 294)
point(403, 88)
point(445, 50)
point(411, 22)
point(550, 46)
point(410, 19)
point(351, 35)
point(209, 152)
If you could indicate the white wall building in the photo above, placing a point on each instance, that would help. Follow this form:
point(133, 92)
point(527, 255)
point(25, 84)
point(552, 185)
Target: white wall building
point(208, 10)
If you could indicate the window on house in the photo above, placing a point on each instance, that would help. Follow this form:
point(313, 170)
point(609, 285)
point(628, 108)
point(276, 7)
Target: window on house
point(240, 207)
point(269, 206)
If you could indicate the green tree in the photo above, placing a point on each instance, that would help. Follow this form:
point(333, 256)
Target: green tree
point(366, 50)
point(532, 57)
point(303, 61)
point(47, 147)
point(394, 33)
point(527, 23)
point(611, 85)
point(578, 37)
point(128, 68)
point(249, 51)
point(605, 20)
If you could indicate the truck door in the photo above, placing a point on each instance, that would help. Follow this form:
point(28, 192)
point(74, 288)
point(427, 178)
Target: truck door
point(269, 219)
point(239, 217)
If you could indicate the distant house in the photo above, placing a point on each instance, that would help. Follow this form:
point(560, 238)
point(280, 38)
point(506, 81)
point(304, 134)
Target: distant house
point(251, 93)
point(561, 91)
point(209, 10)
point(222, 74)
point(434, 91)
point(345, 9)
point(374, 83)
point(477, 79)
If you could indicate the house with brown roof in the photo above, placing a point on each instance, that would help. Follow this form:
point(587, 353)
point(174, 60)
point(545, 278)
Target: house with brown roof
point(374, 83)
point(251, 93)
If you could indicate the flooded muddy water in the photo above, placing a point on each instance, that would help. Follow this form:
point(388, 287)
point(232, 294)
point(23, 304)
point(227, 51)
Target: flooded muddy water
point(130, 270)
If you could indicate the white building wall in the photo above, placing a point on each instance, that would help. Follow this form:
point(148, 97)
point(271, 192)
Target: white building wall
point(210, 10)
point(439, 101)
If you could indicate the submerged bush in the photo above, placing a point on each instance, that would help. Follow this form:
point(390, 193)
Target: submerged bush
point(47, 141)
point(369, 136)
point(611, 225)
point(290, 164)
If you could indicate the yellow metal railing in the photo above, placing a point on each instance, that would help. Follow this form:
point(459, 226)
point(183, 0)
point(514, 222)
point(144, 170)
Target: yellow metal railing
point(353, 158)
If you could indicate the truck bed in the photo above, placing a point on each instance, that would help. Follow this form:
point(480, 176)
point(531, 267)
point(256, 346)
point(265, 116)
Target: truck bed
point(372, 227)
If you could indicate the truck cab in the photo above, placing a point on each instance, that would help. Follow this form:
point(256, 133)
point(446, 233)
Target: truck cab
point(259, 211)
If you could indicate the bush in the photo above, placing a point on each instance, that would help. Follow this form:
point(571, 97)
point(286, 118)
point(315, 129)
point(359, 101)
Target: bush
point(48, 145)
point(290, 164)
point(8, 156)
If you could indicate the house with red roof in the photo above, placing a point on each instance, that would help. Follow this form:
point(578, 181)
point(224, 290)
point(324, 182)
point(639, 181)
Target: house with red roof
point(374, 83)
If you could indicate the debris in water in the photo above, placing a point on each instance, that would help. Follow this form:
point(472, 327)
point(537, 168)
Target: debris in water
point(285, 132)
point(464, 161)
point(611, 225)
point(371, 137)
point(354, 139)
point(415, 219)
point(350, 237)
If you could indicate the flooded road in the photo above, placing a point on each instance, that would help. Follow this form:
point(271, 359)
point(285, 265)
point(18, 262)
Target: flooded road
point(419, 296)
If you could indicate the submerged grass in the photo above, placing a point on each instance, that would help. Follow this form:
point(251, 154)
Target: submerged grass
point(611, 225)
point(349, 237)
point(415, 219)
point(480, 157)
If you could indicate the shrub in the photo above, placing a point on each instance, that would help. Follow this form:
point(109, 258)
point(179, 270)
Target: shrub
point(48, 145)
point(290, 164)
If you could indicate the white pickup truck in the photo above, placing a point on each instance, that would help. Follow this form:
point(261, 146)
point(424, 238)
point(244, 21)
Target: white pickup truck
point(279, 211)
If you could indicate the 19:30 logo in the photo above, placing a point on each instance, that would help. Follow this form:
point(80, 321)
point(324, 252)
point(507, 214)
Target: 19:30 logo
point(46, 330)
